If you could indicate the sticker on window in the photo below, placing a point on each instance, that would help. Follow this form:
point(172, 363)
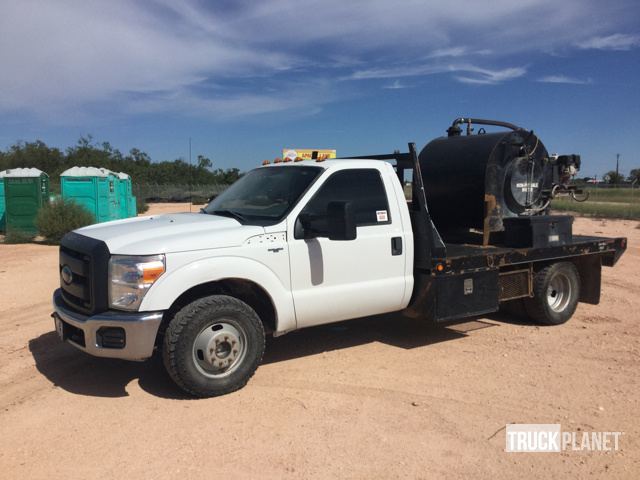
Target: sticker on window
point(381, 215)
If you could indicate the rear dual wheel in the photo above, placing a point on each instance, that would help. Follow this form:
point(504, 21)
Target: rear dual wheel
point(556, 291)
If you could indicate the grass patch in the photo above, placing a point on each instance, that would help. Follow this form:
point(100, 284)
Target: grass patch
point(141, 205)
point(629, 211)
point(617, 195)
point(18, 236)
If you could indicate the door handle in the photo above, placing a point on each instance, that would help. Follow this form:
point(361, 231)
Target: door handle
point(396, 246)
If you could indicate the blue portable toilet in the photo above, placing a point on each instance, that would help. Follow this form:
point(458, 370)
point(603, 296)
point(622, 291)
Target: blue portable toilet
point(133, 206)
point(2, 202)
point(93, 188)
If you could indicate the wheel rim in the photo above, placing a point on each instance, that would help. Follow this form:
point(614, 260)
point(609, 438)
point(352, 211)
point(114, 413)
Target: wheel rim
point(219, 349)
point(559, 292)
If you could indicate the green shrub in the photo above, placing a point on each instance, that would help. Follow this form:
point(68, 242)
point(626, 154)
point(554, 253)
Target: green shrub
point(61, 216)
point(141, 205)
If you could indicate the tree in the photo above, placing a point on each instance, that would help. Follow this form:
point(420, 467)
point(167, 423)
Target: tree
point(634, 175)
point(138, 164)
point(613, 178)
point(204, 163)
point(33, 155)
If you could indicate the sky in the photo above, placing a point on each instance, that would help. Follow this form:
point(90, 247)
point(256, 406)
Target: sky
point(244, 79)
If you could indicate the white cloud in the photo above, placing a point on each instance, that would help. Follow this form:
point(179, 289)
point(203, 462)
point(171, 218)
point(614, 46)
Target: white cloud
point(71, 54)
point(60, 59)
point(396, 85)
point(459, 51)
point(466, 73)
point(617, 41)
point(565, 79)
point(484, 76)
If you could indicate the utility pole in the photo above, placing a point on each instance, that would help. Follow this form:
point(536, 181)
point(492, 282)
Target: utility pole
point(617, 168)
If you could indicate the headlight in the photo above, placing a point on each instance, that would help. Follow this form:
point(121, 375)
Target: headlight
point(130, 277)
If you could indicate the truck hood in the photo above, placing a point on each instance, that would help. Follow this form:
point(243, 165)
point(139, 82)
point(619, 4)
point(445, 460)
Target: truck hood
point(168, 233)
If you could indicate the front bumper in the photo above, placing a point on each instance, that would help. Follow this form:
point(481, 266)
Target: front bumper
point(84, 331)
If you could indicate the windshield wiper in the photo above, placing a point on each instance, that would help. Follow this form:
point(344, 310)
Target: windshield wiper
point(230, 213)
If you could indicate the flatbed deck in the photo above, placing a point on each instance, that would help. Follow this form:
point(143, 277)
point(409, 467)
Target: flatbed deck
point(468, 257)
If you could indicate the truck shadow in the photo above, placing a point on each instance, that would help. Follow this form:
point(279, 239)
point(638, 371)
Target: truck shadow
point(390, 329)
point(78, 373)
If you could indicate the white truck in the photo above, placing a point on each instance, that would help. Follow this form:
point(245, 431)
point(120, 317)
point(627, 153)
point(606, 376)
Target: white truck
point(292, 245)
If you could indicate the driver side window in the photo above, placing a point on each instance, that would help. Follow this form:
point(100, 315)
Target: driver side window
point(363, 188)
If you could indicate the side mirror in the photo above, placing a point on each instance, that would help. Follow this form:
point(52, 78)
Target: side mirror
point(341, 221)
point(337, 224)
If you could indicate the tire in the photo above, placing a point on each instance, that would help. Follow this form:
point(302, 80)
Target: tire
point(213, 346)
point(556, 290)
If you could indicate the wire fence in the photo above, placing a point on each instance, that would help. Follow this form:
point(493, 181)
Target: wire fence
point(177, 192)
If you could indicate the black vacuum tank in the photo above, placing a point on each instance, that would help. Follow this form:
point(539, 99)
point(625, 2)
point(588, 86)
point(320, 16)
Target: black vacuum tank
point(477, 180)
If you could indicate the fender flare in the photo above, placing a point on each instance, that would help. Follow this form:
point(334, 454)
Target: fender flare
point(173, 284)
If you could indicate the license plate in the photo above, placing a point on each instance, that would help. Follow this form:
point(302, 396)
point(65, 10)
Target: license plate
point(59, 327)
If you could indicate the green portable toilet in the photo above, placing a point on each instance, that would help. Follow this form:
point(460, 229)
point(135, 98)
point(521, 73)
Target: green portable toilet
point(112, 179)
point(124, 195)
point(2, 209)
point(26, 190)
point(93, 188)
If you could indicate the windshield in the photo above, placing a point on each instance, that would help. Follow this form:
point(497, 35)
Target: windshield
point(264, 195)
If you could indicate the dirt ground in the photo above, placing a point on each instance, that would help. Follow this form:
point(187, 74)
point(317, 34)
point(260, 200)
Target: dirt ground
point(377, 397)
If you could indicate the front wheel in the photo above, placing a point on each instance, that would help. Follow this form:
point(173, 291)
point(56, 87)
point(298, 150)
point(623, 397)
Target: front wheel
point(213, 345)
point(556, 290)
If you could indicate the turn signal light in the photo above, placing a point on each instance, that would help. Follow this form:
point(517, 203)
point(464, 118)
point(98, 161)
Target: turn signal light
point(439, 267)
point(152, 271)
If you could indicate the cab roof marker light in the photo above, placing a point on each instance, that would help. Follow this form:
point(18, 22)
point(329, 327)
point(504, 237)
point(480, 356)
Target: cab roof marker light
point(277, 160)
point(320, 159)
point(286, 160)
point(266, 162)
point(298, 159)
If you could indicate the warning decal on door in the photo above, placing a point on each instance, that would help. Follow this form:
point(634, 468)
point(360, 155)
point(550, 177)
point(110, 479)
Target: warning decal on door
point(381, 215)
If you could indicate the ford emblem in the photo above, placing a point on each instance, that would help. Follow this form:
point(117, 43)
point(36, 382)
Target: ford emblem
point(66, 274)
